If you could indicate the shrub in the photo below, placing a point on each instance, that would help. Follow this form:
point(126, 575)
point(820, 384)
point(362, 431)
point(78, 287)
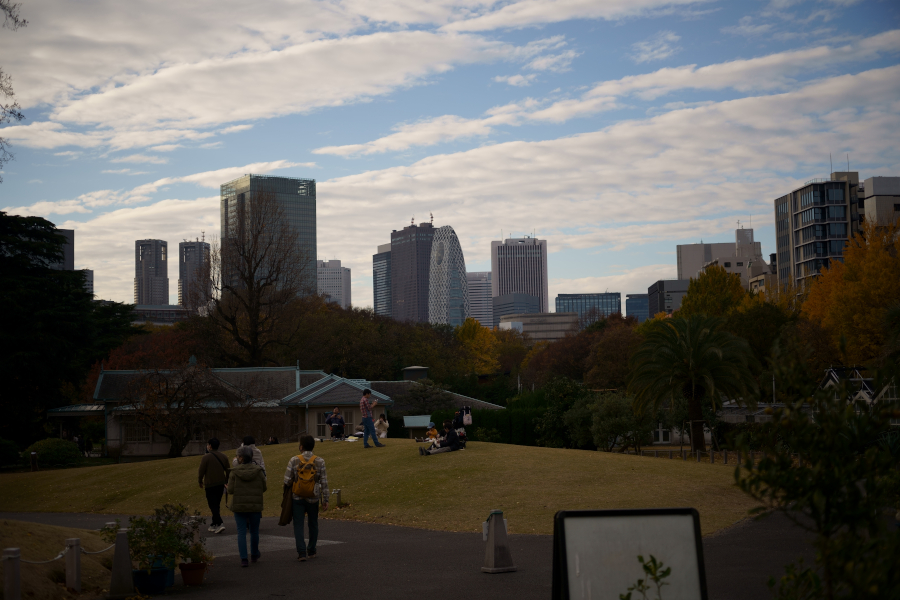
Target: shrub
point(9, 453)
point(54, 452)
point(483, 434)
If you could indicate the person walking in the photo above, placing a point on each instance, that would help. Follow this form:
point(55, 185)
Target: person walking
point(212, 476)
point(381, 426)
point(250, 442)
point(247, 484)
point(368, 423)
point(306, 477)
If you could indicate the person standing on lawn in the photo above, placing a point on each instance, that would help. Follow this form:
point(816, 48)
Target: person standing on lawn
point(247, 484)
point(305, 476)
point(368, 421)
point(212, 477)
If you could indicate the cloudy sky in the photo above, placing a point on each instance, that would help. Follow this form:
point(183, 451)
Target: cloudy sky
point(615, 129)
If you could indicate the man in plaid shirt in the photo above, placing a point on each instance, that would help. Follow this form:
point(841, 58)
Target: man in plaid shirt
point(307, 506)
point(368, 420)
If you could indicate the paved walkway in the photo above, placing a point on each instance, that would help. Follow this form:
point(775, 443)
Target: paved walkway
point(388, 562)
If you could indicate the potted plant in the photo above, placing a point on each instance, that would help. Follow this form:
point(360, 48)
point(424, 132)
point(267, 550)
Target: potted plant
point(197, 561)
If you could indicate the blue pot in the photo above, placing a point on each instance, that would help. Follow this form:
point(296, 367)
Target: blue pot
point(170, 571)
point(152, 583)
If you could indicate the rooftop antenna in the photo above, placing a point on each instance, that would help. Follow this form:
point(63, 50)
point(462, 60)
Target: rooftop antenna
point(432, 217)
point(848, 162)
point(202, 236)
point(739, 224)
point(830, 162)
point(413, 220)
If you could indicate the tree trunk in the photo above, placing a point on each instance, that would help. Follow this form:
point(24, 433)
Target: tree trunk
point(695, 413)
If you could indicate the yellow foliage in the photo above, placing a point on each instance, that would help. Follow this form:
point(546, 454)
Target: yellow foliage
point(535, 350)
point(715, 293)
point(481, 346)
point(849, 299)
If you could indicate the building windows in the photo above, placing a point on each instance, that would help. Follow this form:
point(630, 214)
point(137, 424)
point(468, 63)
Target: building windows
point(728, 265)
point(136, 432)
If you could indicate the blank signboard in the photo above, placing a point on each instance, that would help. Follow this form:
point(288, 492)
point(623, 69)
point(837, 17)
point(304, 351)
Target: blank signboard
point(595, 552)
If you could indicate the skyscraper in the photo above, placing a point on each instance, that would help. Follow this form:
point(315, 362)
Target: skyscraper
point(448, 290)
point(151, 272)
point(410, 266)
point(481, 308)
point(193, 263)
point(296, 199)
point(334, 282)
point(637, 306)
point(520, 266)
point(591, 306)
point(381, 280)
point(68, 261)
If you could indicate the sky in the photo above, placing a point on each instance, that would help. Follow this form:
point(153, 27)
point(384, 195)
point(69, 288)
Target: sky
point(614, 129)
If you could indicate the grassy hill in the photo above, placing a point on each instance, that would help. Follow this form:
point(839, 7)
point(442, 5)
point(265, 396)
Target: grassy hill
point(394, 485)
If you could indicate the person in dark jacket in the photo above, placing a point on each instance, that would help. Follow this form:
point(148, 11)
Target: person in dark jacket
point(448, 444)
point(247, 484)
point(212, 476)
point(336, 421)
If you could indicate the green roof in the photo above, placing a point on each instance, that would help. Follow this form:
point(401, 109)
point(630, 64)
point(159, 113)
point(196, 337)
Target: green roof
point(416, 421)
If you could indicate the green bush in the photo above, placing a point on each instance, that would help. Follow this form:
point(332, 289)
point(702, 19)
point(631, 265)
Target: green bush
point(9, 453)
point(54, 452)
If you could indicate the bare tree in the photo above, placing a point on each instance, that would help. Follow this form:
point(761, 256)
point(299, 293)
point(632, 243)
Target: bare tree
point(9, 108)
point(257, 272)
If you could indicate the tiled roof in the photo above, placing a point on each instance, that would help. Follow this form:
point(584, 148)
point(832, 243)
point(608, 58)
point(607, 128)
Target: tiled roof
point(397, 389)
point(336, 391)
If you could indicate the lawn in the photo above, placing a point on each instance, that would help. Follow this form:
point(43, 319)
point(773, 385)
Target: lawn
point(394, 485)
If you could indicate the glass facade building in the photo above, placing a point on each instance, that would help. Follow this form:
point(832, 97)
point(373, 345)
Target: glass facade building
point(514, 304)
point(590, 306)
point(193, 260)
point(381, 280)
point(448, 290)
point(296, 199)
point(481, 307)
point(410, 268)
point(637, 306)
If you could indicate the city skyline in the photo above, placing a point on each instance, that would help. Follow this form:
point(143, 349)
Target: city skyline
point(564, 124)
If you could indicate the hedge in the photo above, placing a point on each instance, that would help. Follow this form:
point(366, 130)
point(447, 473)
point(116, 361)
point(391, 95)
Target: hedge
point(513, 426)
point(54, 452)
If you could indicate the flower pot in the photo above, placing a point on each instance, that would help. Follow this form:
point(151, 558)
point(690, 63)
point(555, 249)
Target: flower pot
point(192, 573)
point(152, 583)
point(170, 571)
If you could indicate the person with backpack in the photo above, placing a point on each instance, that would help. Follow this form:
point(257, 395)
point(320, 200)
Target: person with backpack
point(306, 477)
point(247, 486)
point(448, 444)
point(213, 476)
point(250, 442)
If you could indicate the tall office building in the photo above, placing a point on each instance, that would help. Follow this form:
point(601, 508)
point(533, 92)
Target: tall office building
point(590, 306)
point(88, 281)
point(410, 266)
point(151, 272)
point(296, 199)
point(514, 304)
point(637, 306)
point(194, 285)
point(666, 295)
point(481, 308)
point(519, 265)
point(334, 282)
point(68, 261)
point(813, 224)
point(381, 280)
point(448, 290)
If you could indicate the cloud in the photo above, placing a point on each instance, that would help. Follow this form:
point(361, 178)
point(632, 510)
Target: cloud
point(554, 62)
point(516, 80)
point(660, 46)
point(140, 158)
point(116, 171)
point(166, 147)
point(35, 181)
point(746, 28)
point(71, 154)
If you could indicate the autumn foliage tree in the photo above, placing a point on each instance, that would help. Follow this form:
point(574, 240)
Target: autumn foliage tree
point(715, 293)
point(480, 346)
point(849, 299)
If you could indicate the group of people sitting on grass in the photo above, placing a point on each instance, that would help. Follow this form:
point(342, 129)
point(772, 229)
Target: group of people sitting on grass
point(448, 442)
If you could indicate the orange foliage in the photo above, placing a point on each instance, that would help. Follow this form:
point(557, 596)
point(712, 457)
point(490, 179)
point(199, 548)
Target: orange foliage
point(849, 299)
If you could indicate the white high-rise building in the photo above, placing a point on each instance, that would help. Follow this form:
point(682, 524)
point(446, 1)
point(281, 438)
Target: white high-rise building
point(481, 308)
point(334, 282)
point(448, 297)
point(519, 265)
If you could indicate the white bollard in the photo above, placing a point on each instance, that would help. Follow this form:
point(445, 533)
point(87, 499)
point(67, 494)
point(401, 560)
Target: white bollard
point(12, 574)
point(73, 564)
point(121, 583)
point(497, 558)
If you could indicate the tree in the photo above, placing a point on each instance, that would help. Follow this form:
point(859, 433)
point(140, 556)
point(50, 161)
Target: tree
point(849, 299)
point(616, 423)
point(9, 109)
point(715, 293)
point(257, 273)
point(561, 394)
point(424, 397)
point(480, 347)
point(694, 357)
point(760, 322)
point(607, 365)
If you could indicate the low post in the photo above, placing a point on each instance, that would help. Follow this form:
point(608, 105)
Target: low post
point(338, 494)
point(656, 454)
point(698, 456)
point(683, 455)
point(34, 461)
point(670, 455)
point(73, 564)
point(497, 558)
point(712, 456)
point(121, 583)
point(751, 458)
point(726, 457)
point(739, 459)
point(12, 574)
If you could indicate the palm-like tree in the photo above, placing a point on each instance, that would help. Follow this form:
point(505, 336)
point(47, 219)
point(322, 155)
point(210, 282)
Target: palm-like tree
point(694, 357)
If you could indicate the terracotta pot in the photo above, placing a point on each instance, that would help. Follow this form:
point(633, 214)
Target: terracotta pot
point(192, 573)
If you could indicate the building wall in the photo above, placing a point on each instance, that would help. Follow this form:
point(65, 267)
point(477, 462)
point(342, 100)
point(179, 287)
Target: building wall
point(381, 280)
point(88, 281)
point(514, 304)
point(334, 282)
point(448, 290)
point(151, 272)
point(542, 327)
point(604, 304)
point(481, 306)
point(879, 200)
point(637, 306)
point(297, 200)
point(410, 266)
point(692, 257)
point(519, 265)
point(193, 259)
point(666, 295)
point(68, 261)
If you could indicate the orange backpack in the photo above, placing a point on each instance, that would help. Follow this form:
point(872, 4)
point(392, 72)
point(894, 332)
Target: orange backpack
point(305, 478)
